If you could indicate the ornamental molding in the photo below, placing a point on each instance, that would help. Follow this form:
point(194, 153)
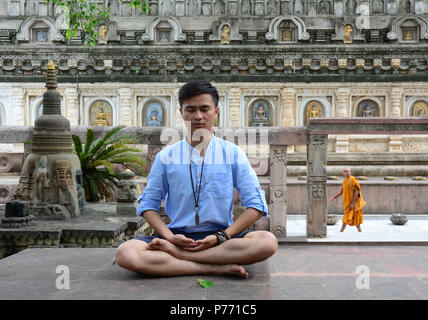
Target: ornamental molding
point(24, 34)
point(272, 33)
point(150, 31)
point(420, 20)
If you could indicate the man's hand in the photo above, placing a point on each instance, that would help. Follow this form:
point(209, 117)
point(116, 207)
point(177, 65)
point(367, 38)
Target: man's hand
point(207, 242)
point(183, 242)
point(331, 199)
point(351, 206)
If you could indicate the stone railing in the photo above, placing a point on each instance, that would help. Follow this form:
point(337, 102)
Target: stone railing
point(315, 137)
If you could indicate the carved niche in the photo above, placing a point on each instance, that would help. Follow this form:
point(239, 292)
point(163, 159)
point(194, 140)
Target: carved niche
point(368, 109)
point(100, 113)
point(420, 109)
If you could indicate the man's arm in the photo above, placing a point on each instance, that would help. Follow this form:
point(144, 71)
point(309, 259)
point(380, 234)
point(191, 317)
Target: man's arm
point(336, 196)
point(247, 218)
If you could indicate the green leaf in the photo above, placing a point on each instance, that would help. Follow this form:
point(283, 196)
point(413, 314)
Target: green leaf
point(205, 283)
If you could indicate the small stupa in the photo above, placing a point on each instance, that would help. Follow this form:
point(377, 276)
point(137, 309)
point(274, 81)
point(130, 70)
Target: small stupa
point(48, 178)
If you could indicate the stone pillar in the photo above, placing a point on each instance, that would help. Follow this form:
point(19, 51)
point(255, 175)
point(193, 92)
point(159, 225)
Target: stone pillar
point(18, 106)
point(125, 106)
point(234, 106)
point(278, 188)
point(288, 107)
point(395, 143)
point(342, 102)
point(72, 103)
point(396, 96)
point(316, 216)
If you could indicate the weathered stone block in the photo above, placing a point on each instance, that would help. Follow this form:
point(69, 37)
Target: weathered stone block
point(17, 209)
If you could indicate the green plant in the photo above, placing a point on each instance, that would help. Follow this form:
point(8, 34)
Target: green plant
point(87, 15)
point(97, 159)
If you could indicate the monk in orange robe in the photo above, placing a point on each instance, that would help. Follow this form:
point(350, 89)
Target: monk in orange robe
point(353, 201)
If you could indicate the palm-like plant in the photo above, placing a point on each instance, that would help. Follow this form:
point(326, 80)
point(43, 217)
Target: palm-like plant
point(97, 159)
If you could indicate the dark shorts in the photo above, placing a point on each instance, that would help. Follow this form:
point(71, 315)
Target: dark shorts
point(192, 235)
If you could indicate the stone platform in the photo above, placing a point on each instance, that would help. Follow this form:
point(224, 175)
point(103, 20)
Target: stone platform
point(98, 226)
point(294, 272)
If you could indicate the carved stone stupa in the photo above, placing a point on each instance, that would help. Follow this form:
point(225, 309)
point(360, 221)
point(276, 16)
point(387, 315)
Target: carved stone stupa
point(48, 177)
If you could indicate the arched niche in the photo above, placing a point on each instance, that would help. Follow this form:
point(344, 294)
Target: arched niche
point(100, 113)
point(153, 114)
point(408, 23)
point(274, 28)
point(156, 26)
point(313, 109)
point(39, 30)
point(260, 113)
point(419, 109)
point(367, 108)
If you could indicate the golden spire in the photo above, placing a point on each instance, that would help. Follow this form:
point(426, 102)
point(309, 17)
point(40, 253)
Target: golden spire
point(51, 65)
point(51, 76)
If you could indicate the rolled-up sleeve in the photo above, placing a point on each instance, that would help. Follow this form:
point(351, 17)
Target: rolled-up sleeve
point(247, 184)
point(157, 187)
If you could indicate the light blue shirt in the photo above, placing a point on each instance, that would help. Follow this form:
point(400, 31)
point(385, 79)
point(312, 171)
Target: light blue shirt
point(226, 167)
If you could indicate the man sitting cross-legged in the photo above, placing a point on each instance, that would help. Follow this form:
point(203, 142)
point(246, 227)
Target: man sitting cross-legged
point(197, 176)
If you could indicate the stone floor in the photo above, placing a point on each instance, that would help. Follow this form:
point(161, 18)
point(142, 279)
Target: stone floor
point(294, 272)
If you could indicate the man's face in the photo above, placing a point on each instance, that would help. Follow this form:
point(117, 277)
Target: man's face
point(346, 172)
point(200, 111)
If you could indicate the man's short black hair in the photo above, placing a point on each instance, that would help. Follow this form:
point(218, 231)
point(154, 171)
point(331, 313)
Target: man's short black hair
point(196, 87)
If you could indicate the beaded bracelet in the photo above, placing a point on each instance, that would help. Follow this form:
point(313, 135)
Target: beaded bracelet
point(222, 236)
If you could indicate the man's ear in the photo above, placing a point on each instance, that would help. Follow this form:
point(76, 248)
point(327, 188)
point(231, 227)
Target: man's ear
point(217, 109)
point(181, 111)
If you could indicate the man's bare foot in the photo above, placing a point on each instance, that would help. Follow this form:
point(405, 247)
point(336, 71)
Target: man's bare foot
point(165, 246)
point(232, 269)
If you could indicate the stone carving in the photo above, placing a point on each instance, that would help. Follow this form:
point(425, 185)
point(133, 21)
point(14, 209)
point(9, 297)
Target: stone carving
point(64, 179)
point(279, 157)
point(298, 7)
point(219, 8)
point(377, 6)
point(245, 7)
point(347, 33)
point(127, 194)
point(167, 7)
point(102, 34)
point(351, 5)
point(206, 7)
point(100, 113)
point(154, 115)
point(404, 6)
point(285, 7)
point(325, 7)
point(420, 109)
point(314, 109)
point(272, 7)
point(25, 29)
point(367, 109)
point(225, 35)
point(194, 8)
point(260, 114)
point(317, 191)
point(43, 181)
point(287, 22)
point(51, 143)
point(278, 231)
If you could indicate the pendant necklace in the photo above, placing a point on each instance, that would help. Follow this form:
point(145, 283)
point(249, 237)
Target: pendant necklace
point(193, 187)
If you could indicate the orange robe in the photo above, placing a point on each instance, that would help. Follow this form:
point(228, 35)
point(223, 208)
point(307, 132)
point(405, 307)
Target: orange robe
point(352, 217)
